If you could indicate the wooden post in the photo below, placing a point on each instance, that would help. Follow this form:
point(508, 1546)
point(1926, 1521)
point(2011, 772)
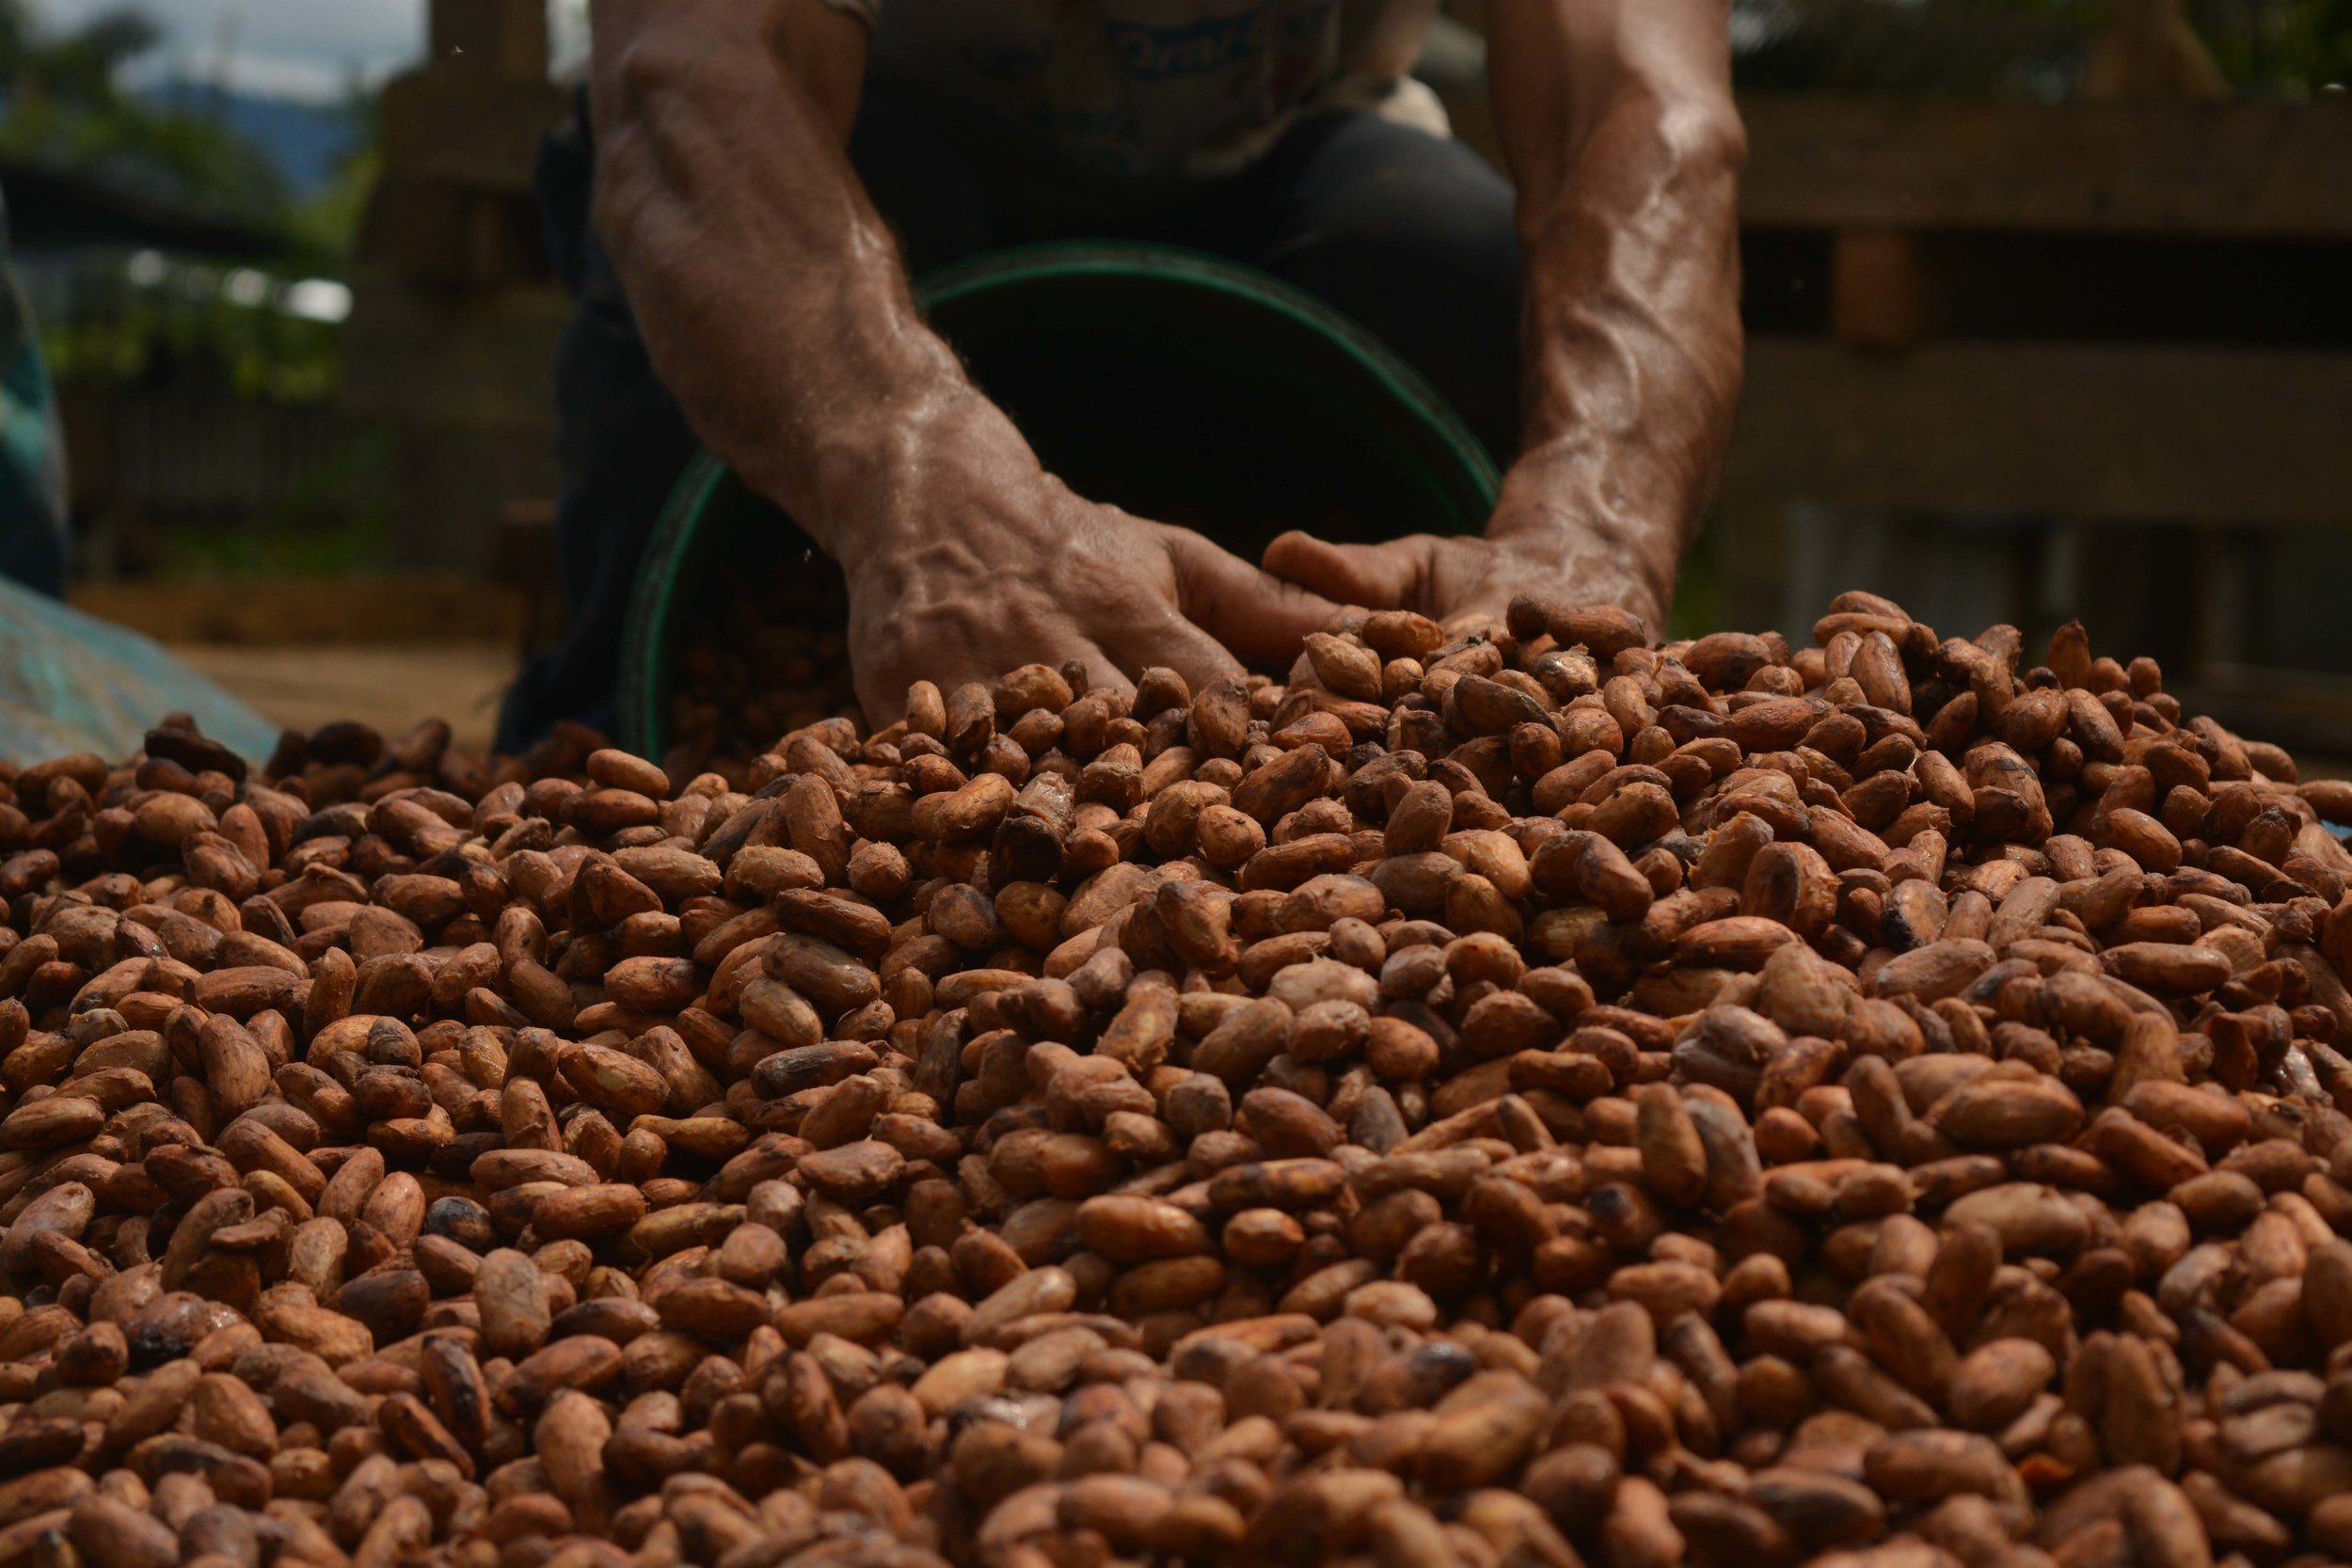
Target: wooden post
point(454, 324)
point(506, 38)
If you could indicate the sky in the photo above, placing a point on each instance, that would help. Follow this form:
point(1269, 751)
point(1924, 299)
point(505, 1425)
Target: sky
point(307, 49)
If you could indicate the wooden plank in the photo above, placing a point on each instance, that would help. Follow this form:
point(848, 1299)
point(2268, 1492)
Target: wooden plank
point(507, 38)
point(2146, 434)
point(2247, 171)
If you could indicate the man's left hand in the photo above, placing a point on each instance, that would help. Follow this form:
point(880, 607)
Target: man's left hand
point(1533, 545)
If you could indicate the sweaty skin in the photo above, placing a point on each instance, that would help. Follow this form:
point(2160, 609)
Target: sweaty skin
point(775, 308)
point(1618, 128)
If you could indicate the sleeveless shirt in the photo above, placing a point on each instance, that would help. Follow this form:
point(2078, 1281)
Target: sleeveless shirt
point(1154, 88)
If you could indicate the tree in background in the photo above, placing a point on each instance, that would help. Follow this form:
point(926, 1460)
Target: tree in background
point(2270, 47)
point(325, 222)
point(67, 105)
point(2022, 48)
point(64, 106)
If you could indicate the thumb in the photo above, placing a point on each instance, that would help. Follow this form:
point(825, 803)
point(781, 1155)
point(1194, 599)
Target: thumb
point(1374, 576)
point(1261, 619)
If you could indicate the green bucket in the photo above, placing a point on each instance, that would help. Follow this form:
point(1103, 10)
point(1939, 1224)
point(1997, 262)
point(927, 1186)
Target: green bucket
point(1184, 387)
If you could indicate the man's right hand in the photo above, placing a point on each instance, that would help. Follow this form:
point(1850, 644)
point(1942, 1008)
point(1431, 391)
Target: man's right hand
point(971, 560)
point(775, 308)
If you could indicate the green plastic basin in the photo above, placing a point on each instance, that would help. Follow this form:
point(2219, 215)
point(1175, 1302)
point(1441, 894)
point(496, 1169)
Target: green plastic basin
point(1176, 384)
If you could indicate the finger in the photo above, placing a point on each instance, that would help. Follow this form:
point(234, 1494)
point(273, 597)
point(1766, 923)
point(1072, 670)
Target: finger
point(1103, 670)
point(1180, 645)
point(1258, 616)
point(1389, 576)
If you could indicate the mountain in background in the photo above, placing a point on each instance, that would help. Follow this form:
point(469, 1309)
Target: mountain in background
point(305, 142)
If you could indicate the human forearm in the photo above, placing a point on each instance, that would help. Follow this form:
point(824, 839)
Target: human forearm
point(1617, 120)
point(768, 293)
point(776, 310)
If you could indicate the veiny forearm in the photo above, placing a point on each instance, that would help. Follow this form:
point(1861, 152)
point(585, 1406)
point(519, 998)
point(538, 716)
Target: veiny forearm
point(777, 310)
point(769, 294)
point(1617, 118)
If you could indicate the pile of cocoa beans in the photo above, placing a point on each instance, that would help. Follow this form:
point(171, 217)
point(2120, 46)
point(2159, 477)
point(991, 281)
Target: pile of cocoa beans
point(1506, 1101)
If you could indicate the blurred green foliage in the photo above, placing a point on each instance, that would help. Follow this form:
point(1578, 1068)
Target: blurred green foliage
point(66, 107)
point(63, 104)
point(2293, 49)
point(2019, 48)
point(325, 226)
point(311, 533)
point(255, 350)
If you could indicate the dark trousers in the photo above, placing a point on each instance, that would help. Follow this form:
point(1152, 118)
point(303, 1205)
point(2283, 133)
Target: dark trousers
point(1408, 233)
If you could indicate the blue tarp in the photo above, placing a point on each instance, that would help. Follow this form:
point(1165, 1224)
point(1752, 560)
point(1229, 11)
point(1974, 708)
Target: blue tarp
point(72, 683)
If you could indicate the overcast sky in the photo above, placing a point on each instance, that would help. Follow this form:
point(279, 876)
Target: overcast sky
point(289, 48)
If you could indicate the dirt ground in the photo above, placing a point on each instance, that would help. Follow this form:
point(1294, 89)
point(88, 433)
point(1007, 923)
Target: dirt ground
point(387, 650)
point(390, 687)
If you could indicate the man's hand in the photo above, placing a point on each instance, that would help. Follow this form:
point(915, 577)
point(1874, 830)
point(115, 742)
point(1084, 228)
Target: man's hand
point(776, 308)
point(1533, 545)
point(1462, 581)
point(977, 561)
point(1616, 120)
